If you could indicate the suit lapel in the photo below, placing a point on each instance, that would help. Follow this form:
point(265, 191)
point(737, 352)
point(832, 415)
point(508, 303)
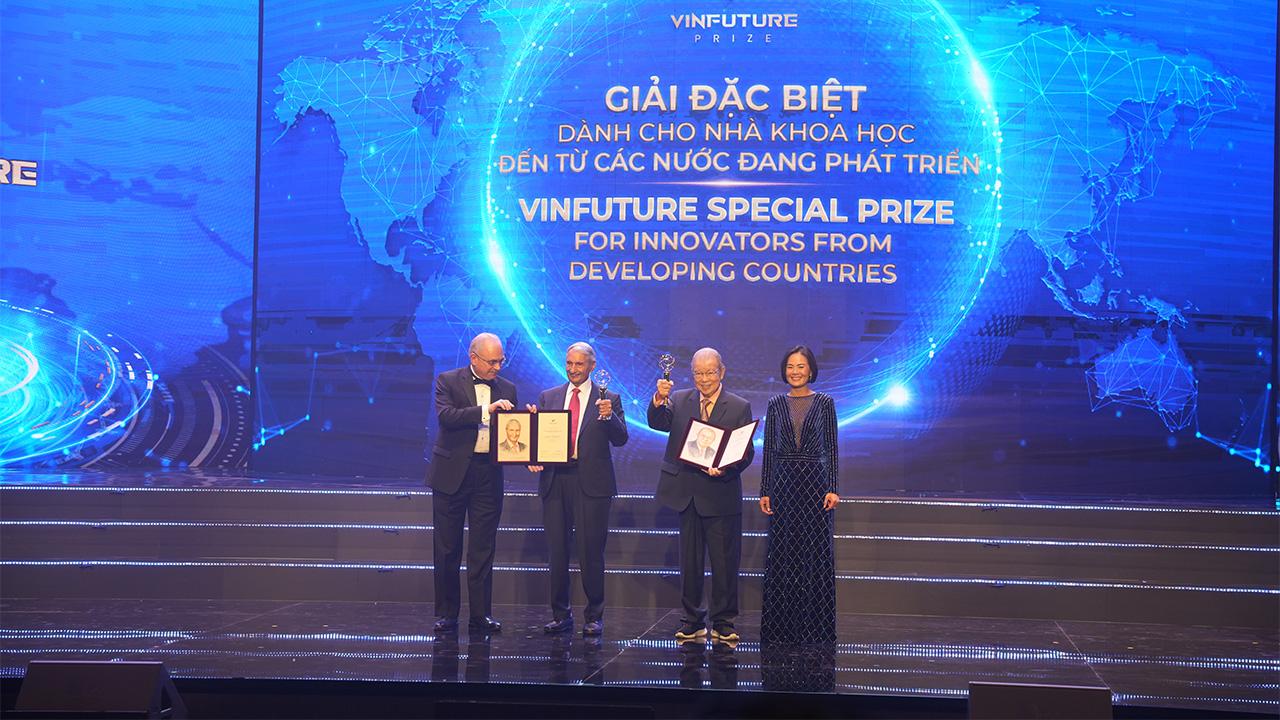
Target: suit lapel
point(587, 416)
point(562, 397)
point(692, 401)
point(717, 412)
point(564, 392)
point(468, 385)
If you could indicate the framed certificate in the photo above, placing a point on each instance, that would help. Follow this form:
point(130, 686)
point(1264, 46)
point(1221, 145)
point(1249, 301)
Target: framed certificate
point(710, 446)
point(525, 438)
point(552, 441)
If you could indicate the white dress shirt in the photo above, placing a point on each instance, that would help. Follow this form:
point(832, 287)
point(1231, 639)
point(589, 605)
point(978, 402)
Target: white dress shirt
point(483, 394)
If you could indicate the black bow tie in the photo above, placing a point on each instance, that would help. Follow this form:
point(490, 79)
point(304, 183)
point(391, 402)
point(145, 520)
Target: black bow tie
point(478, 381)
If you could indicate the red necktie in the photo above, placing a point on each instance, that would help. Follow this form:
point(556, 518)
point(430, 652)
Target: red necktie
point(575, 408)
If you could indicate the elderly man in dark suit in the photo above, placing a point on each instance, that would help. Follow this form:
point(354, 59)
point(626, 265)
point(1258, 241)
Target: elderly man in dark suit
point(709, 500)
point(466, 482)
point(576, 497)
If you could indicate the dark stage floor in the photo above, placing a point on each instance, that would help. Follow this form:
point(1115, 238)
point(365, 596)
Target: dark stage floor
point(1169, 605)
point(1209, 668)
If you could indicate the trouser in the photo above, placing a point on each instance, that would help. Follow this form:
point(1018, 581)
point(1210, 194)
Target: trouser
point(720, 538)
point(575, 520)
point(478, 504)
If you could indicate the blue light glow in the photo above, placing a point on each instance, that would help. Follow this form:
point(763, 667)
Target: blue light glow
point(898, 396)
point(63, 391)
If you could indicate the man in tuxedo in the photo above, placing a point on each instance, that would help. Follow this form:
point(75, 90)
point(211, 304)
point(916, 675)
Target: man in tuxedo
point(709, 500)
point(576, 497)
point(466, 485)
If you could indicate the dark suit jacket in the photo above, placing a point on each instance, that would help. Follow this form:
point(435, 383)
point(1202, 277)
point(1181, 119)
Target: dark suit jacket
point(595, 442)
point(680, 484)
point(459, 417)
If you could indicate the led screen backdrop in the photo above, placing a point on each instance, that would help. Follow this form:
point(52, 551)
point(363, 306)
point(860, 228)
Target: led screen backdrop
point(126, 269)
point(1030, 243)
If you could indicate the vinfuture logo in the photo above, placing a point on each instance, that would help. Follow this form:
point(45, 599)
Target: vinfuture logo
point(17, 172)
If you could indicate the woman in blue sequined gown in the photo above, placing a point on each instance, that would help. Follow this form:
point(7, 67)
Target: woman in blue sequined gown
point(798, 492)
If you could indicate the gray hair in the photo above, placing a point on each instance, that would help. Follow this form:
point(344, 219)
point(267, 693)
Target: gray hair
point(484, 338)
point(708, 352)
point(583, 348)
point(515, 422)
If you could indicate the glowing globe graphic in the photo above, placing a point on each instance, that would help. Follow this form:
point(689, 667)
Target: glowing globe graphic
point(865, 231)
point(64, 391)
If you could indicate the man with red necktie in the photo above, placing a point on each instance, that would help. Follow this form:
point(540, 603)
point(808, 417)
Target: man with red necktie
point(576, 497)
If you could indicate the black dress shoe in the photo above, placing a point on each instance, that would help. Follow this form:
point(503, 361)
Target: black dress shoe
point(559, 626)
point(445, 625)
point(691, 631)
point(485, 624)
point(724, 633)
point(593, 628)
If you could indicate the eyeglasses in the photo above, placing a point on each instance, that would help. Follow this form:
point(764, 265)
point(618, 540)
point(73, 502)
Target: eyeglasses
point(491, 363)
point(706, 375)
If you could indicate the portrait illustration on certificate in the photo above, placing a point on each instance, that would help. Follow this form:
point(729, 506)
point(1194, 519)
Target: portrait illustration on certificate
point(701, 444)
point(531, 438)
point(511, 433)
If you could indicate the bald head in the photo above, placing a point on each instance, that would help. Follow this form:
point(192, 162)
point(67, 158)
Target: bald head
point(486, 356)
point(708, 353)
point(485, 340)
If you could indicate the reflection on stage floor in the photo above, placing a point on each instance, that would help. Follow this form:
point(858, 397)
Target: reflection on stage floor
point(1221, 669)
